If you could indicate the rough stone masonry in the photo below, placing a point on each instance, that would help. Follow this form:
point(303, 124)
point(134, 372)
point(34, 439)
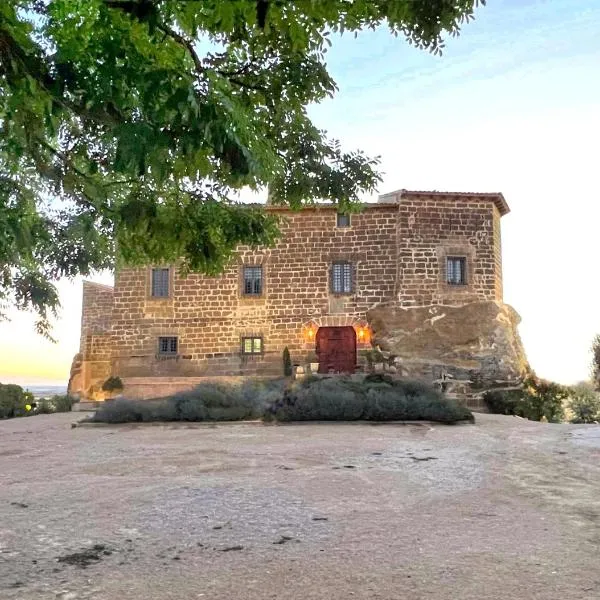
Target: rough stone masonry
point(417, 273)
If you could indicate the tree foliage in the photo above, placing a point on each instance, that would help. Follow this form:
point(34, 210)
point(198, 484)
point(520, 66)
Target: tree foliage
point(584, 403)
point(596, 362)
point(536, 400)
point(127, 126)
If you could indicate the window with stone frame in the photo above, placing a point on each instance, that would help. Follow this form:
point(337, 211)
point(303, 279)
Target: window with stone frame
point(168, 345)
point(253, 280)
point(342, 277)
point(160, 283)
point(252, 345)
point(456, 270)
point(343, 220)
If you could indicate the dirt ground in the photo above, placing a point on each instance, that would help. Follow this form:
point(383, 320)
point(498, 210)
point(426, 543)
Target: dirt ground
point(502, 509)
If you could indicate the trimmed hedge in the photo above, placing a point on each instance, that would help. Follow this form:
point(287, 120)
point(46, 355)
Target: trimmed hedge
point(206, 402)
point(337, 398)
point(376, 397)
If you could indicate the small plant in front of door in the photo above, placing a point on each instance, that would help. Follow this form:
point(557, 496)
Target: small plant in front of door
point(313, 362)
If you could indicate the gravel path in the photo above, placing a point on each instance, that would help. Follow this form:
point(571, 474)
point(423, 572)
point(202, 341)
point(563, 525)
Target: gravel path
point(502, 509)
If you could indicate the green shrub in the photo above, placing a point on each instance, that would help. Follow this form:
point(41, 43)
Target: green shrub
point(339, 398)
point(112, 384)
point(62, 403)
point(380, 398)
point(287, 362)
point(584, 404)
point(206, 402)
point(321, 399)
point(124, 411)
point(536, 400)
point(505, 402)
point(13, 400)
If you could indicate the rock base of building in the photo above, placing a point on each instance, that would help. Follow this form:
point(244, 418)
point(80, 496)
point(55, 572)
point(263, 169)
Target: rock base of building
point(476, 345)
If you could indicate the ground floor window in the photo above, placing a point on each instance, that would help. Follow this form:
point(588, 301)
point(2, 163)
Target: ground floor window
point(456, 270)
point(167, 345)
point(252, 345)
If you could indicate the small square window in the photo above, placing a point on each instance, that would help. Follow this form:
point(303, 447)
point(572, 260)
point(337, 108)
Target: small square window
point(253, 281)
point(343, 220)
point(160, 283)
point(456, 270)
point(167, 345)
point(341, 278)
point(252, 345)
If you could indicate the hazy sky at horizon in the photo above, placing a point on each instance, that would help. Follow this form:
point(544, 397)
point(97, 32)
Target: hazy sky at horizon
point(512, 106)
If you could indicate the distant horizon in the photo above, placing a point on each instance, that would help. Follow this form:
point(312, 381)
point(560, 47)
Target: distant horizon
point(25, 382)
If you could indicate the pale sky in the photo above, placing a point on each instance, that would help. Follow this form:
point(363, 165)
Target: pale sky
point(513, 106)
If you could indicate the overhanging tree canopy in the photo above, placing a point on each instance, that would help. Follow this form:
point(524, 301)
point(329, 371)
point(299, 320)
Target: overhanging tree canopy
point(126, 126)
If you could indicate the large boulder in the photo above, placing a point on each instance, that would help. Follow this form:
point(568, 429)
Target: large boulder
point(477, 342)
point(75, 385)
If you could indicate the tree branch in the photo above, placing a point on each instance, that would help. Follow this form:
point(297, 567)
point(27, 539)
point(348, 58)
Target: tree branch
point(186, 43)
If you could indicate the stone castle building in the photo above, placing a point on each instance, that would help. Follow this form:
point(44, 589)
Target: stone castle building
point(418, 274)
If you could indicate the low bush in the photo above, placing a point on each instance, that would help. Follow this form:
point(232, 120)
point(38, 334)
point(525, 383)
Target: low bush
point(374, 397)
point(16, 402)
point(338, 398)
point(538, 399)
point(61, 403)
point(206, 402)
point(584, 404)
point(13, 400)
point(112, 384)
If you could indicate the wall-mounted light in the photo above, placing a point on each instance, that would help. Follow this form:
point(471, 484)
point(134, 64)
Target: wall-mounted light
point(363, 333)
point(310, 332)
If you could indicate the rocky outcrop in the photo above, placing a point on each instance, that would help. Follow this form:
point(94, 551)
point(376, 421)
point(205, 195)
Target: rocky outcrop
point(478, 342)
point(75, 386)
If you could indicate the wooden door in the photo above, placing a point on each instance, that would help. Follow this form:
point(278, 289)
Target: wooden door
point(336, 349)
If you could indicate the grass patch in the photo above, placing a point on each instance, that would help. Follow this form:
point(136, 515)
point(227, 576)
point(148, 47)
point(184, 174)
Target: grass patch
point(337, 398)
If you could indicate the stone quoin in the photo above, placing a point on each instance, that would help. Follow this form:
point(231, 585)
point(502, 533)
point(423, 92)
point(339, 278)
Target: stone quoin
point(324, 288)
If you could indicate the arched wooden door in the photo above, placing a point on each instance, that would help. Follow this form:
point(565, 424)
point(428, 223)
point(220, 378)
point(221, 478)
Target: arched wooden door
point(336, 349)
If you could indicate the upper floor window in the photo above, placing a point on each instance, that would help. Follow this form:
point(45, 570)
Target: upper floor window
point(167, 345)
point(160, 283)
point(343, 220)
point(341, 278)
point(252, 345)
point(253, 281)
point(456, 270)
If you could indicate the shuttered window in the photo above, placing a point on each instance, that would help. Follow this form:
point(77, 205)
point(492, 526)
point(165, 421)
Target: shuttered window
point(343, 220)
point(456, 270)
point(253, 281)
point(341, 278)
point(160, 283)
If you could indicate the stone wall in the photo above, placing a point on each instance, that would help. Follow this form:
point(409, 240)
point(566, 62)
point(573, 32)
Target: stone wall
point(96, 313)
point(397, 248)
point(93, 364)
point(210, 315)
point(434, 227)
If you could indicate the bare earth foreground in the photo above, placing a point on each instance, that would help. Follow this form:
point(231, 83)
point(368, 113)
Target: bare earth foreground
point(501, 509)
